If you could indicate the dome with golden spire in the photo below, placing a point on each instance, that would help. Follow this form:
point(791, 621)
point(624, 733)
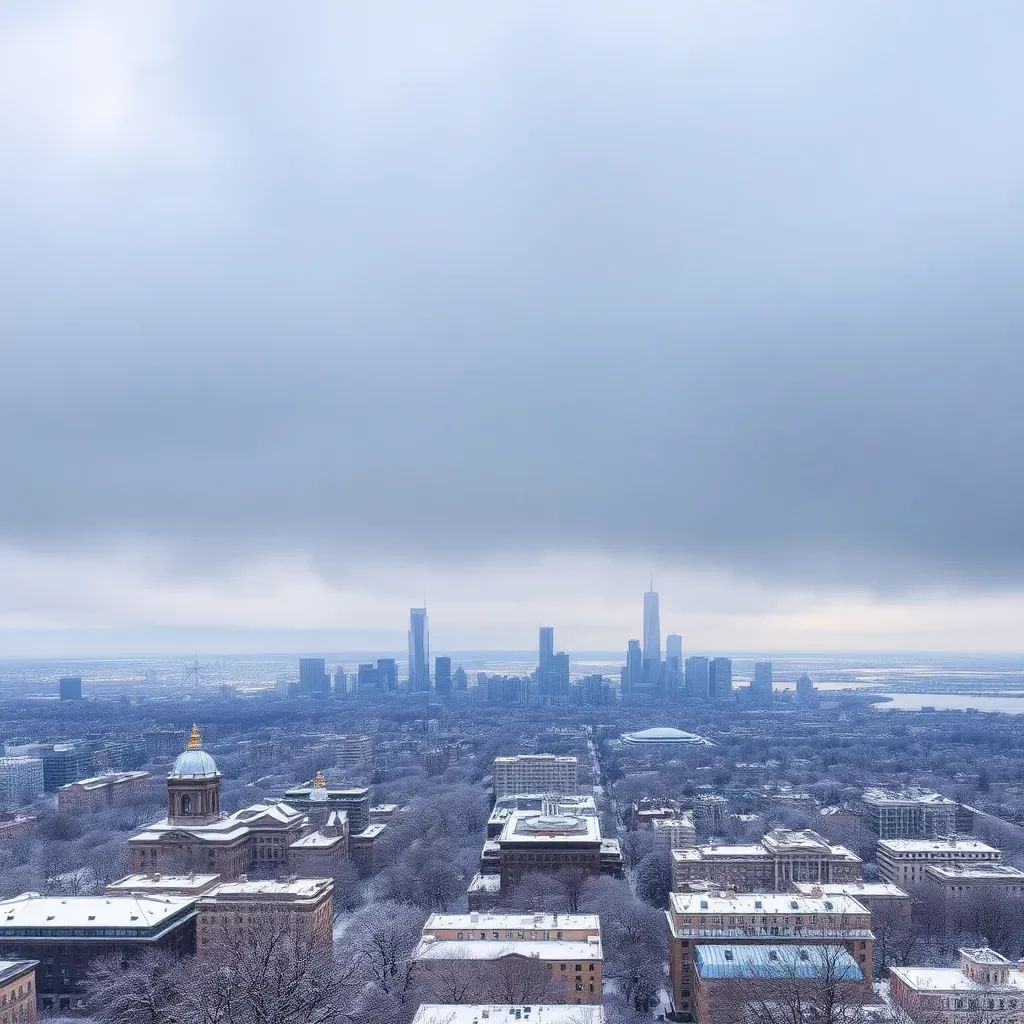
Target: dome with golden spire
point(194, 762)
point(318, 793)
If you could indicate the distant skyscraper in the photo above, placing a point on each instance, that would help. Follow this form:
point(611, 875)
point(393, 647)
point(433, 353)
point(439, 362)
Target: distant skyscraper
point(339, 683)
point(545, 654)
point(674, 647)
point(652, 637)
point(673, 675)
point(459, 679)
point(367, 678)
point(419, 651)
point(313, 678)
point(634, 665)
point(558, 676)
point(696, 684)
point(720, 679)
point(387, 674)
point(443, 676)
point(761, 685)
point(71, 688)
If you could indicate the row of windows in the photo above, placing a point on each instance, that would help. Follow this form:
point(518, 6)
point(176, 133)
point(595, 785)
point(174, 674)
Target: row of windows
point(509, 935)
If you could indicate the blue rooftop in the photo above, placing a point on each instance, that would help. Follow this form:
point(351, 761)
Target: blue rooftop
point(776, 961)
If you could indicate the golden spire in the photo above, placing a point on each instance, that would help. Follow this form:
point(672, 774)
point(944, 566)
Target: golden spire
point(319, 782)
point(194, 739)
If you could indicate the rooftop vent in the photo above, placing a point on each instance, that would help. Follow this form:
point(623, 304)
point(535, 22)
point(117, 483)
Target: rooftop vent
point(772, 954)
point(728, 954)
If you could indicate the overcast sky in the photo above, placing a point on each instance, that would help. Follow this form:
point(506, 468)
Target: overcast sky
point(308, 311)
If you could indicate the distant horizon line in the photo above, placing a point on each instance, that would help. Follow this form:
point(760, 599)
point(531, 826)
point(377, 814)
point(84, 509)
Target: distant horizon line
point(513, 653)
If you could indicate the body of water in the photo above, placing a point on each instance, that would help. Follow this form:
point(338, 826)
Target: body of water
point(953, 702)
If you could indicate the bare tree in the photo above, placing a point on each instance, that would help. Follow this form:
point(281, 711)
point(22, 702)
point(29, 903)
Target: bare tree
point(521, 980)
point(144, 990)
point(815, 982)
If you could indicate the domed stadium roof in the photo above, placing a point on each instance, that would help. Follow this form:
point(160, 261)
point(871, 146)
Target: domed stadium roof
point(661, 734)
point(194, 762)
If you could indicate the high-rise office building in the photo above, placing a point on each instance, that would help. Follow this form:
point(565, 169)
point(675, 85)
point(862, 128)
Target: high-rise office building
point(558, 676)
point(313, 678)
point(367, 678)
point(387, 674)
point(720, 679)
point(339, 683)
point(460, 680)
point(696, 678)
point(652, 637)
point(546, 651)
point(71, 688)
point(761, 684)
point(443, 676)
point(674, 647)
point(634, 666)
point(419, 651)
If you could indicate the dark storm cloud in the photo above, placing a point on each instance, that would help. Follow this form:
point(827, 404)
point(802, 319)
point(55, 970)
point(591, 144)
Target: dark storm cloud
point(739, 290)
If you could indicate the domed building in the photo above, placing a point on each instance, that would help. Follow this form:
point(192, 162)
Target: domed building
point(193, 786)
point(196, 836)
point(661, 736)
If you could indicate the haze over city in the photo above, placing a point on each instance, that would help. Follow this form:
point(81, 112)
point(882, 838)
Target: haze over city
point(308, 315)
point(511, 513)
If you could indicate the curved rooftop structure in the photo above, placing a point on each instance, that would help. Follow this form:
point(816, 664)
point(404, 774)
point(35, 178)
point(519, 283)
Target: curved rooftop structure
point(661, 734)
point(194, 762)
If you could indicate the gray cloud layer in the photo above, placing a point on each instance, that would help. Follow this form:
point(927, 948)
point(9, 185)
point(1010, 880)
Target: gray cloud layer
point(737, 290)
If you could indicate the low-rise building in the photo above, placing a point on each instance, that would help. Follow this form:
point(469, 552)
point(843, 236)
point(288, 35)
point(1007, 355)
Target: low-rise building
point(483, 892)
point(909, 814)
point(21, 778)
point(579, 805)
point(905, 861)
point(730, 981)
point(160, 884)
point(883, 899)
point(964, 888)
point(783, 856)
point(109, 790)
point(535, 773)
point(674, 833)
point(323, 851)
point(383, 813)
point(650, 809)
point(354, 753)
point(235, 912)
point(363, 847)
point(985, 987)
point(18, 991)
point(66, 933)
point(546, 841)
point(760, 918)
point(505, 1013)
point(540, 958)
point(354, 801)
point(14, 825)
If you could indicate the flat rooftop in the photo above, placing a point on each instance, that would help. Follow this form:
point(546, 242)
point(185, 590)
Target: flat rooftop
point(986, 871)
point(763, 903)
point(300, 888)
point(854, 889)
point(90, 913)
point(430, 948)
point(534, 827)
point(10, 970)
point(935, 846)
point(158, 882)
point(724, 852)
point(473, 1013)
point(948, 979)
point(514, 922)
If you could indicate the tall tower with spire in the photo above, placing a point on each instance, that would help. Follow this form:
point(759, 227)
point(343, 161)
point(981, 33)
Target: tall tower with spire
point(652, 636)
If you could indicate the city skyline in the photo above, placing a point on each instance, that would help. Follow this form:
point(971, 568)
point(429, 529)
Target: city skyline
point(304, 419)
